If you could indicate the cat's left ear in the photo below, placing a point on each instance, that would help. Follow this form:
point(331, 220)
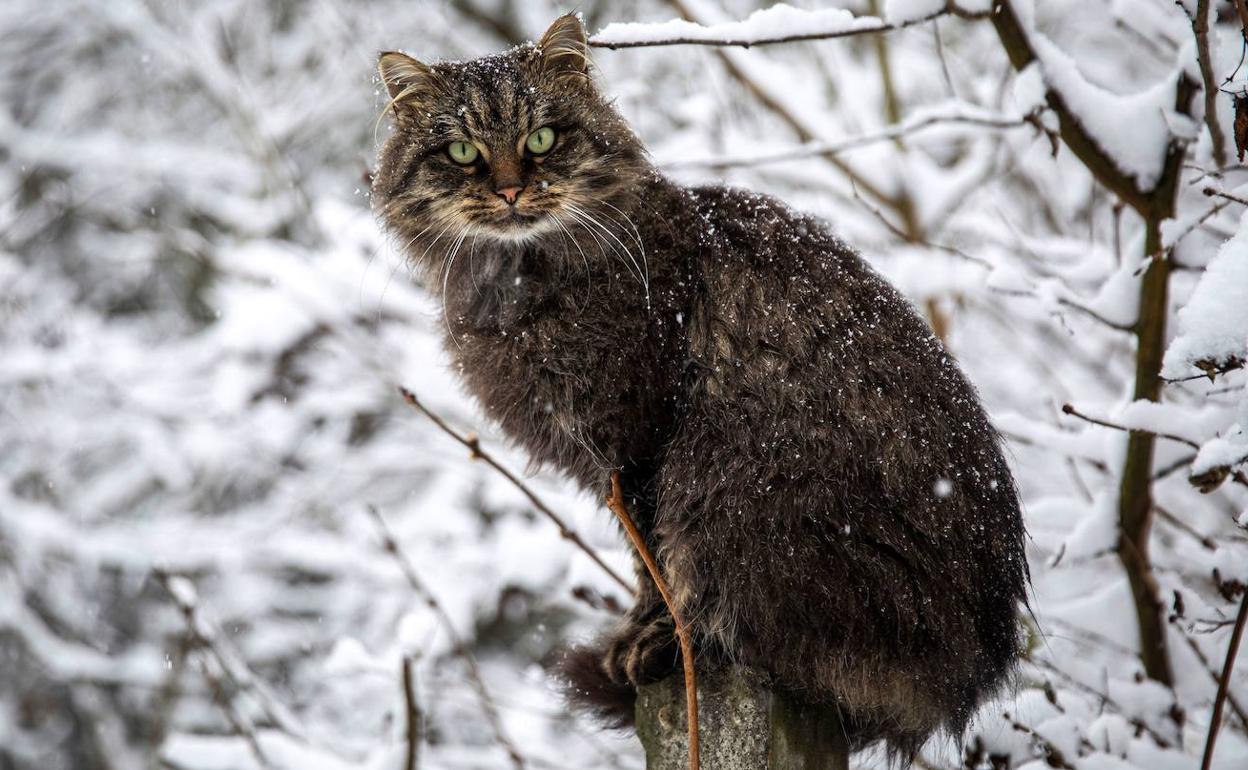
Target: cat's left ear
point(404, 77)
point(565, 47)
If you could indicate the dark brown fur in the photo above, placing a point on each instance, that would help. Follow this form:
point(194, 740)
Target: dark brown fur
point(817, 478)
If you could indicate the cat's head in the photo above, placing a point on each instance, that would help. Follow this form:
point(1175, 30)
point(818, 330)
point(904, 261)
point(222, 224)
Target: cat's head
point(511, 147)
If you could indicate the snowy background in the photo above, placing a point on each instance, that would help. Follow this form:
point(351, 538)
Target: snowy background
point(203, 451)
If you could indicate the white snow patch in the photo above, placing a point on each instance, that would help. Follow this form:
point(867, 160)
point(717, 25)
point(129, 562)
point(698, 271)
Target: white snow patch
point(1213, 325)
point(1134, 129)
point(778, 21)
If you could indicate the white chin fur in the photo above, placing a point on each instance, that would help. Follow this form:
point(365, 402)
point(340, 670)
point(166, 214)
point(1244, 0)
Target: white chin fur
point(519, 235)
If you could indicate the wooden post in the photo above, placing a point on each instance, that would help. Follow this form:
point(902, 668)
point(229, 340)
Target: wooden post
point(744, 726)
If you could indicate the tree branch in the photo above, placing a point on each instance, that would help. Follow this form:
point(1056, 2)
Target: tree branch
point(1149, 203)
point(477, 453)
point(615, 501)
point(458, 646)
point(717, 34)
point(1232, 649)
point(414, 714)
point(1200, 27)
point(1070, 410)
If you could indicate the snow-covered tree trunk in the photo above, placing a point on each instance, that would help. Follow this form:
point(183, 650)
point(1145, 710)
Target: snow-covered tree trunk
point(743, 725)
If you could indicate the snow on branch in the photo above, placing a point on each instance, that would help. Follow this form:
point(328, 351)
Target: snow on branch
point(1213, 326)
point(781, 23)
point(1132, 144)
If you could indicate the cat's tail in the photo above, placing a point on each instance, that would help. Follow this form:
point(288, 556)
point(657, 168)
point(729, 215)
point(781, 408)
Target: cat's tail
point(588, 688)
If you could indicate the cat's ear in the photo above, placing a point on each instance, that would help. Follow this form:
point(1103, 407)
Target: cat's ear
point(404, 76)
point(565, 47)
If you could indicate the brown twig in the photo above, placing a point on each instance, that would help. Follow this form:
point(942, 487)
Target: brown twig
point(414, 714)
point(1052, 755)
point(1213, 674)
point(458, 646)
point(1070, 410)
point(1214, 192)
point(204, 637)
point(615, 501)
point(1200, 28)
point(477, 453)
point(1219, 703)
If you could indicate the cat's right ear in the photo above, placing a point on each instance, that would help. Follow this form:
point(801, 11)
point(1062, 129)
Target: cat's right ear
point(565, 47)
point(404, 77)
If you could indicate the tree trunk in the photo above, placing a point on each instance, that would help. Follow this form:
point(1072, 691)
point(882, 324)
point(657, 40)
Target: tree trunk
point(743, 726)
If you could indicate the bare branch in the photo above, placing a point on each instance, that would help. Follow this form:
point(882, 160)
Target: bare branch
point(1070, 410)
point(1213, 674)
point(477, 453)
point(415, 717)
point(1214, 192)
point(1052, 755)
point(1157, 203)
point(1200, 27)
point(458, 645)
point(1232, 649)
point(204, 637)
point(615, 501)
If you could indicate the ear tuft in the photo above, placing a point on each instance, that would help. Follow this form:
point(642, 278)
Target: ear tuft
point(402, 74)
point(565, 47)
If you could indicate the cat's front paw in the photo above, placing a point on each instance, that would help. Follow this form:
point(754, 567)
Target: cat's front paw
point(643, 653)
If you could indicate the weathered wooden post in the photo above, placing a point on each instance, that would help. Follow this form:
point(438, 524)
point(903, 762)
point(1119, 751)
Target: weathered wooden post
point(743, 726)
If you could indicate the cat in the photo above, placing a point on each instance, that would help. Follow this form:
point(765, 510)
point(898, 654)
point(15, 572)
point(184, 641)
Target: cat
point(817, 478)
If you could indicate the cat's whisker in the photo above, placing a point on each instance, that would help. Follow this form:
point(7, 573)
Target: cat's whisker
point(590, 221)
point(641, 247)
point(567, 236)
point(642, 276)
point(449, 262)
point(606, 248)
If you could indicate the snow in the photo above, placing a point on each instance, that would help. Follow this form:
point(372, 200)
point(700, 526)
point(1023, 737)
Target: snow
point(898, 11)
point(778, 21)
point(1134, 129)
point(1213, 324)
point(201, 332)
point(1222, 452)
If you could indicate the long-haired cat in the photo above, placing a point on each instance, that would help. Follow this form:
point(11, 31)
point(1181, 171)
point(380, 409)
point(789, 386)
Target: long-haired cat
point(817, 478)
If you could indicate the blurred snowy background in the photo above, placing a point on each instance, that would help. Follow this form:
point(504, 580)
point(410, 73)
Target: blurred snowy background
point(201, 335)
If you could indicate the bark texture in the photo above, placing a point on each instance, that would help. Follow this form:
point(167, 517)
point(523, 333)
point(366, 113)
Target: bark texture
point(743, 726)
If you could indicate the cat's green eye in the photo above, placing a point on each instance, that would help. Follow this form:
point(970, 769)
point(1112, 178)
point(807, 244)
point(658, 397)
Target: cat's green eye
point(541, 140)
point(463, 152)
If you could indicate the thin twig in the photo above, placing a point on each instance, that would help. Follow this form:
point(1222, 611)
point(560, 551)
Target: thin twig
point(204, 636)
point(458, 645)
point(1053, 756)
point(1232, 650)
point(1200, 28)
point(477, 453)
point(1204, 660)
point(1214, 192)
point(615, 501)
point(1070, 410)
point(414, 715)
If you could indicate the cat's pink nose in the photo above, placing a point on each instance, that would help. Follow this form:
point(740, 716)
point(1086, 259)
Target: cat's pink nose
point(510, 194)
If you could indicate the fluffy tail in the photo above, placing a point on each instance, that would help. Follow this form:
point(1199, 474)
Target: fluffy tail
point(587, 687)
